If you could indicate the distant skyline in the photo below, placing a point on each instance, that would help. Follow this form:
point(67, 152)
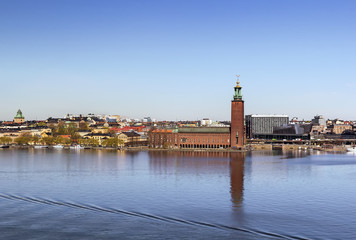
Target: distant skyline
point(177, 60)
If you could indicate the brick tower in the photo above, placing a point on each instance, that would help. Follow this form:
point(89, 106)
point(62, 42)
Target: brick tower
point(237, 132)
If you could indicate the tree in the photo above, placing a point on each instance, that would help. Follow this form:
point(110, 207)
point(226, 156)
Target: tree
point(23, 139)
point(112, 132)
point(64, 129)
point(94, 142)
point(89, 142)
point(71, 128)
point(112, 142)
point(5, 140)
point(83, 125)
point(41, 124)
point(67, 141)
point(35, 139)
point(48, 140)
point(75, 137)
point(51, 126)
point(84, 142)
point(120, 142)
point(59, 140)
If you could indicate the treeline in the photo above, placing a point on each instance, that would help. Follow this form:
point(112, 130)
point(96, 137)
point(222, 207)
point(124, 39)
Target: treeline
point(110, 142)
point(71, 136)
point(27, 139)
point(5, 140)
point(68, 129)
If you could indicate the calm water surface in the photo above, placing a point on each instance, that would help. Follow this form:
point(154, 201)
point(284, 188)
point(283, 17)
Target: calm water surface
point(70, 194)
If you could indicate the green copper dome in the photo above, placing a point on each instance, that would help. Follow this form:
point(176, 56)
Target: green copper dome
point(237, 92)
point(19, 114)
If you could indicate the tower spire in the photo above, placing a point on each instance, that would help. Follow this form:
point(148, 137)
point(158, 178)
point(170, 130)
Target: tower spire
point(238, 80)
point(237, 93)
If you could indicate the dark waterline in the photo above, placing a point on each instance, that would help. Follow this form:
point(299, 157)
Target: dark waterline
point(70, 194)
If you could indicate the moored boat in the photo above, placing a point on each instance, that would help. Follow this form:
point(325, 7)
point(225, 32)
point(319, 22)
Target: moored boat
point(40, 146)
point(58, 146)
point(77, 147)
point(351, 149)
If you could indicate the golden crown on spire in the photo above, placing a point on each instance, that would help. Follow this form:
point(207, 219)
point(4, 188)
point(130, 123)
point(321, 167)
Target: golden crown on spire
point(238, 81)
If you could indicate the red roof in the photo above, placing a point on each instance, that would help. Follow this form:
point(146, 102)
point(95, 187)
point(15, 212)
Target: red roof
point(64, 136)
point(128, 128)
point(162, 131)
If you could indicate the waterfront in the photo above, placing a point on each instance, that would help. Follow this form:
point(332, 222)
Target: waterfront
point(98, 194)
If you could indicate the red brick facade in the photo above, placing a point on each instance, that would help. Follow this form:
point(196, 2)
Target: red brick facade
point(162, 139)
point(204, 140)
point(237, 124)
point(170, 139)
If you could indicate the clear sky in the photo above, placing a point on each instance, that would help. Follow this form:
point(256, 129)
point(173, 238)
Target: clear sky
point(177, 59)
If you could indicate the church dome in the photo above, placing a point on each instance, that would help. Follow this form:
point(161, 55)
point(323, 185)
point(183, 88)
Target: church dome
point(19, 114)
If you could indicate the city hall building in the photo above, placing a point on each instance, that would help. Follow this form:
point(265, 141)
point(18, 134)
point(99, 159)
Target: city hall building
point(205, 137)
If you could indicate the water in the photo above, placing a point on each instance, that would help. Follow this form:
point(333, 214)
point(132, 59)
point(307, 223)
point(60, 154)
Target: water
point(71, 194)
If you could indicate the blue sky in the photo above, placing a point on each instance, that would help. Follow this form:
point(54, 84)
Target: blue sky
point(177, 60)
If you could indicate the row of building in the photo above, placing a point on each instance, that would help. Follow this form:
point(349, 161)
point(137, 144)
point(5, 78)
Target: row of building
point(163, 134)
point(75, 128)
point(280, 127)
point(186, 134)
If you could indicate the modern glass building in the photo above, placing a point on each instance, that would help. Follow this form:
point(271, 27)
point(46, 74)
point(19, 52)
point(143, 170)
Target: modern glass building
point(258, 125)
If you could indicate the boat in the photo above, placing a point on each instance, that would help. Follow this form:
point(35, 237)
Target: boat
point(77, 147)
point(351, 149)
point(58, 146)
point(4, 146)
point(40, 146)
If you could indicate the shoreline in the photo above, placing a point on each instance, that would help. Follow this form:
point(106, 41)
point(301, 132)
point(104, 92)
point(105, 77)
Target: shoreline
point(123, 149)
point(248, 148)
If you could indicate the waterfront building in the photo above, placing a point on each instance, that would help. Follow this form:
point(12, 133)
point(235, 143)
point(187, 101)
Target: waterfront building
point(19, 118)
point(258, 126)
point(291, 132)
point(339, 128)
point(11, 133)
point(204, 137)
point(191, 137)
point(132, 138)
point(97, 136)
point(318, 127)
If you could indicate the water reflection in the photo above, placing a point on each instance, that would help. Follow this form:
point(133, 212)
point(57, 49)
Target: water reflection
point(162, 162)
point(293, 193)
point(237, 167)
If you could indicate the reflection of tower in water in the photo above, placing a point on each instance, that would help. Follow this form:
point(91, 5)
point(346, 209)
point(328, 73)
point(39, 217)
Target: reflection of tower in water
point(237, 178)
point(203, 163)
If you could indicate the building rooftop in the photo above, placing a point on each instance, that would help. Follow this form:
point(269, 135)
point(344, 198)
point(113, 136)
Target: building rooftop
point(268, 115)
point(204, 130)
point(131, 134)
point(19, 114)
